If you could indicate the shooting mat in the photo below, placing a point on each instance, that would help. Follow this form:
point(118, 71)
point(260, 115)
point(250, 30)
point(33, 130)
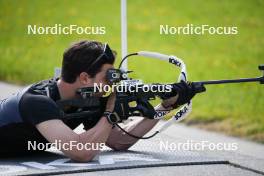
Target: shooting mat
point(146, 153)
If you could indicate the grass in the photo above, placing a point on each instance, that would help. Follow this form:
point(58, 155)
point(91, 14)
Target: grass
point(235, 109)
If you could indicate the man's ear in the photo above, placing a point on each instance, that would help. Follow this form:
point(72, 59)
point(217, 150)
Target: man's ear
point(84, 78)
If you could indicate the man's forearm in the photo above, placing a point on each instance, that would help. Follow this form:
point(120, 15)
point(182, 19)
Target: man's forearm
point(120, 140)
point(143, 126)
point(99, 133)
point(96, 135)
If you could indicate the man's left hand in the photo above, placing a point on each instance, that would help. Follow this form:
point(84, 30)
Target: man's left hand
point(181, 93)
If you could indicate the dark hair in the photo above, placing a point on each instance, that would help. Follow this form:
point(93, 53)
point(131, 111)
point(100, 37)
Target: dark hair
point(79, 56)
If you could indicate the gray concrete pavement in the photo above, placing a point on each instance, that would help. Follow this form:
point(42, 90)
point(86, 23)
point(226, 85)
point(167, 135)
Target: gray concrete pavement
point(198, 170)
point(7, 89)
point(248, 155)
point(247, 159)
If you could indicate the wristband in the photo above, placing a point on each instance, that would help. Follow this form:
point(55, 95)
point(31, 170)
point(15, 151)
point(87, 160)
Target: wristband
point(112, 117)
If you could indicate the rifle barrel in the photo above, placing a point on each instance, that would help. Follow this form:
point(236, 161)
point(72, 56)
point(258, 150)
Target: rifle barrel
point(226, 81)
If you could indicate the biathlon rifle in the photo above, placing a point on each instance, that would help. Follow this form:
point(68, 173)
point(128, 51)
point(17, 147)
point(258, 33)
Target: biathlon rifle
point(89, 104)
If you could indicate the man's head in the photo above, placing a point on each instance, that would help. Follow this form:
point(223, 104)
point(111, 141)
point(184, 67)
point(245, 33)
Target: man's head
point(86, 62)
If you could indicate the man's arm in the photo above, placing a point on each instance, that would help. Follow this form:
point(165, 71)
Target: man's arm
point(118, 140)
point(54, 130)
point(181, 93)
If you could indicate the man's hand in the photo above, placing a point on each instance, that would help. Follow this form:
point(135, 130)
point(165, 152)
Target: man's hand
point(110, 105)
point(181, 94)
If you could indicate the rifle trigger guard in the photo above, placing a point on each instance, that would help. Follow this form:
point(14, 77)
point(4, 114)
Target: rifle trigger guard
point(145, 108)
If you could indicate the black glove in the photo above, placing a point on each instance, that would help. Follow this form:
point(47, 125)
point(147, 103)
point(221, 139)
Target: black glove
point(182, 92)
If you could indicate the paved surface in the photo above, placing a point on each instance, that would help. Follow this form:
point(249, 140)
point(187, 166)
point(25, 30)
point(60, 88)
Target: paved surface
point(249, 155)
point(200, 170)
point(247, 159)
point(7, 89)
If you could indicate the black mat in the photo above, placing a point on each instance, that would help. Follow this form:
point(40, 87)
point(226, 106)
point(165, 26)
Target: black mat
point(145, 153)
